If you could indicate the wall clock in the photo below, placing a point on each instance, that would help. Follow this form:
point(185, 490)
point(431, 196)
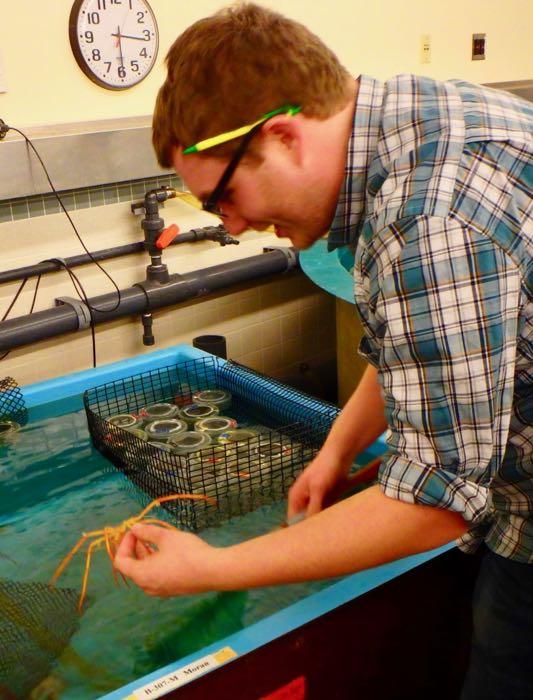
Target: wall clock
point(115, 42)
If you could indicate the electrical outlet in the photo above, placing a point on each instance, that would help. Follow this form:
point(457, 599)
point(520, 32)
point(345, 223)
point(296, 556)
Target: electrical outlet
point(3, 87)
point(478, 47)
point(425, 48)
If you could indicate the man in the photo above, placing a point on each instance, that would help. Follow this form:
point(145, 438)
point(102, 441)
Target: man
point(431, 182)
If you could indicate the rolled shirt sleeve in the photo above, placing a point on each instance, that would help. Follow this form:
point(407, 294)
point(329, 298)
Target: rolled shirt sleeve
point(439, 302)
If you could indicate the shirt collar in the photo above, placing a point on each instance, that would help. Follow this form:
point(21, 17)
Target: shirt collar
point(362, 145)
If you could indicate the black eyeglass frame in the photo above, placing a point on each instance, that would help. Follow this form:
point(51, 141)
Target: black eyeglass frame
point(211, 203)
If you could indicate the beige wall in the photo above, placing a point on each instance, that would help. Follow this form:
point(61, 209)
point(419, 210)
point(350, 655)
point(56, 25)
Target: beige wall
point(381, 37)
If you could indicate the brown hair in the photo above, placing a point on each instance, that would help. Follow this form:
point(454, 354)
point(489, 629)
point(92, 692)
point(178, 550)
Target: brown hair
point(229, 69)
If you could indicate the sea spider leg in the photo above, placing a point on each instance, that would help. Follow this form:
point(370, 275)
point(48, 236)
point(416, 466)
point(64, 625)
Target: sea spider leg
point(112, 538)
point(90, 548)
point(156, 521)
point(108, 535)
point(174, 497)
point(64, 563)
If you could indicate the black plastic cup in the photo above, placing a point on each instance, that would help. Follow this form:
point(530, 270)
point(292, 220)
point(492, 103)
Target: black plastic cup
point(214, 344)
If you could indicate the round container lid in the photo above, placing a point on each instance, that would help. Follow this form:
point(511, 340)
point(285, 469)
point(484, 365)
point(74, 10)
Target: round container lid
point(166, 427)
point(196, 411)
point(238, 435)
point(190, 441)
point(217, 397)
point(124, 420)
point(215, 425)
point(159, 410)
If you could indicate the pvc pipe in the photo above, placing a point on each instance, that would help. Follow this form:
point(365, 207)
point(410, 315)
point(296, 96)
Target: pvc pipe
point(46, 266)
point(145, 296)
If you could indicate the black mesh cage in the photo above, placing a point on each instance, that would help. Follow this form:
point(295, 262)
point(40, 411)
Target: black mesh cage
point(291, 425)
point(36, 624)
point(12, 406)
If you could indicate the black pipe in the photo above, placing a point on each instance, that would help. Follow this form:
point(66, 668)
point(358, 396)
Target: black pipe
point(20, 273)
point(135, 300)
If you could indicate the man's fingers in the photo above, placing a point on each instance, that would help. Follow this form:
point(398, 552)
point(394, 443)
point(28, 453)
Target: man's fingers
point(126, 547)
point(297, 503)
point(149, 533)
point(125, 559)
point(133, 548)
point(315, 505)
point(142, 550)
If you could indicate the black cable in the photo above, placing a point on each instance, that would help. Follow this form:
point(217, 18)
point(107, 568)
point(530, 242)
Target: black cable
point(4, 128)
point(30, 144)
point(148, 309)
point(14, 301)
point(80, 291)
point(21, 287)
point(35, 293)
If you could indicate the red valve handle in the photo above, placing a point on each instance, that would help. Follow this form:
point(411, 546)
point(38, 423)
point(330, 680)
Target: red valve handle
point(167, 236)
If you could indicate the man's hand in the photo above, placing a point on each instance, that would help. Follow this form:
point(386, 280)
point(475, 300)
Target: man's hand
point(317, 486)
point(166, 562)
point(361, 421)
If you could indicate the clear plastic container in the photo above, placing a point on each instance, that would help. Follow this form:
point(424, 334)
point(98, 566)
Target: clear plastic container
point(196, 411)
point(162, 430)
point(189, 442)
point(215, 397)
point(240, 439)
point(165, 446)
point(156, 411)
point(125, 421)
point(212, 458)
point(215, 425)
point(138, 432)
point(272, 452)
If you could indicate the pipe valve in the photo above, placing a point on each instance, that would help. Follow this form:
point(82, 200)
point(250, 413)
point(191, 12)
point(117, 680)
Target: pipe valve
point(153, 227)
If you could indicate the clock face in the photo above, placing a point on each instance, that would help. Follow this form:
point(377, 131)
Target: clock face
point(115, 42)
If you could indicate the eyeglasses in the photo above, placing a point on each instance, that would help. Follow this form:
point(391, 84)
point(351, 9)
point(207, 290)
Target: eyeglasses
point(211, 203)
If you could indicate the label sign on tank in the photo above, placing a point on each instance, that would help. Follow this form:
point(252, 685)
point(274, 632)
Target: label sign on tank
point(181, 676)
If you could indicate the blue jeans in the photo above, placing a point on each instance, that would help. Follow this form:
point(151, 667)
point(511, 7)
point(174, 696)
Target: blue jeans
point(501, 661)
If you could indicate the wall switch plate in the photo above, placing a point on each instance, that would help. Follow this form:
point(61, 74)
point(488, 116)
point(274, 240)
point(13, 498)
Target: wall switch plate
point(478, 47)
point(425, 48)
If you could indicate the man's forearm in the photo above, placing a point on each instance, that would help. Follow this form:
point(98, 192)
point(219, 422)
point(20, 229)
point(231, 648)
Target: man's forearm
point(361, 421)
point(363, 531)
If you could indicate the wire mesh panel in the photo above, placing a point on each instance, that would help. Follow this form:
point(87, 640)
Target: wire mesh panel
point(277, 430)
point(12, 406)
point(36, 624)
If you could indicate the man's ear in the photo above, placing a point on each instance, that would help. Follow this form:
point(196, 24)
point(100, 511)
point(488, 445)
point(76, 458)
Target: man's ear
point(287, 131)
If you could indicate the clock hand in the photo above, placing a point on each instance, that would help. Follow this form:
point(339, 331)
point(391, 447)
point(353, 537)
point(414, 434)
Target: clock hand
point(120, 47)
point(127, 36)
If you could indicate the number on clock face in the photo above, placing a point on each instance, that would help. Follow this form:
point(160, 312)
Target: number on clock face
point(115, 42)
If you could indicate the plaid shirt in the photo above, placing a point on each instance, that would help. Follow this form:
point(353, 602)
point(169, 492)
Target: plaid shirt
point(437, 202)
